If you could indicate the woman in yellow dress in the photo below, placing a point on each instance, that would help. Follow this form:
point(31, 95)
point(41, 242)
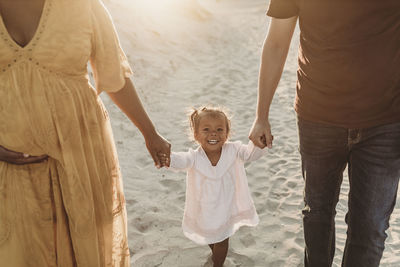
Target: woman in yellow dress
point(68, 208)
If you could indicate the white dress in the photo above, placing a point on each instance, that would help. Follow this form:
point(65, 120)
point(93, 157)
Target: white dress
point(218, 200)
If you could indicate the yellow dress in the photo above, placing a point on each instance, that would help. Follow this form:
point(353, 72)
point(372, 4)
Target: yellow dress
point(69, 210)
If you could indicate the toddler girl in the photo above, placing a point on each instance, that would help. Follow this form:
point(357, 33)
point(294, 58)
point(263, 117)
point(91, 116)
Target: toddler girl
point(218, 200)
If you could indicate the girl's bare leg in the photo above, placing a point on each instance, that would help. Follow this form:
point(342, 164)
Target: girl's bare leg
point(219, 252)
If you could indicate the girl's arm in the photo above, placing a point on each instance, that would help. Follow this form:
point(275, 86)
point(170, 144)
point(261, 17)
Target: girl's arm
point(250, 152)
point(128, 101)
point(182, 161)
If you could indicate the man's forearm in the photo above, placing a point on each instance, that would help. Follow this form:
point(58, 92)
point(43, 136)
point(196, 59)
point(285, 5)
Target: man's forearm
point(275, 50)
point(272, 63)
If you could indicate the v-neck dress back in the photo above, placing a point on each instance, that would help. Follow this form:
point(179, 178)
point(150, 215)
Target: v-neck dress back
point(69, 210)
point(218, 200)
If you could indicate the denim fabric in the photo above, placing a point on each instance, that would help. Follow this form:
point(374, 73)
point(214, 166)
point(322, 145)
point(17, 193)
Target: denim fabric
point(373, 159)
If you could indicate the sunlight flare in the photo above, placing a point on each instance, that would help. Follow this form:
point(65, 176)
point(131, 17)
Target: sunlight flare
point(164, 9)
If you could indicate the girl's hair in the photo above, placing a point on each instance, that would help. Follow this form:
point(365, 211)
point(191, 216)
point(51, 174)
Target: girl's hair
point(194, 117)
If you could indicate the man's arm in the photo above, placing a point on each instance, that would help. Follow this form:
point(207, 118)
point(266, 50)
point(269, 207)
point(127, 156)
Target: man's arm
point(274, 53)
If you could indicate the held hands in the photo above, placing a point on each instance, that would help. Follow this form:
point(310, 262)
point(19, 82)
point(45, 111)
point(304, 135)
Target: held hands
point(164, 159)
point(18, 158)
point(260, 133)
point(159, 149)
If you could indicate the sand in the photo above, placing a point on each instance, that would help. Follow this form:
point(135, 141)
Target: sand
point(187, 53)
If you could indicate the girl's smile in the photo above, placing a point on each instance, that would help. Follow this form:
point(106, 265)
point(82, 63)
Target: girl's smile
point(212, 134)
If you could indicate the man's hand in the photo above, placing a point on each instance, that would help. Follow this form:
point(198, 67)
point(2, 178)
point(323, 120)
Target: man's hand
point(260, 133)
point(19, 158)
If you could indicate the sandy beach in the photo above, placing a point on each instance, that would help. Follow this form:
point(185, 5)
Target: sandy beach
point(188, 53)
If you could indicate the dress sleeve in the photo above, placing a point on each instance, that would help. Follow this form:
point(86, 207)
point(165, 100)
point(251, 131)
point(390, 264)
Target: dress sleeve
point(250, 152)
point(181, 161)
point(283, 9)
point(109, 63)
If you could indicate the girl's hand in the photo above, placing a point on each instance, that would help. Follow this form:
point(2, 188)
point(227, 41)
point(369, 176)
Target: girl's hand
point(260, 133)
point(164, 159)
point(159, 149)
point(18, 158)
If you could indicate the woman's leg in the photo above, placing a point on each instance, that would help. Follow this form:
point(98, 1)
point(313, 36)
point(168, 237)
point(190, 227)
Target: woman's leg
point(219, 252)
point(31, 203)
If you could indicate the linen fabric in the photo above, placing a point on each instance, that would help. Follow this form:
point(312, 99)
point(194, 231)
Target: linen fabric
point(218, 200)
point(69, 210)
point(349, 58)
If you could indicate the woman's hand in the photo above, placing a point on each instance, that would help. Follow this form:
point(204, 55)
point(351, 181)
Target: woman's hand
point(19, 158)
point(260, 133)
point(159, 149)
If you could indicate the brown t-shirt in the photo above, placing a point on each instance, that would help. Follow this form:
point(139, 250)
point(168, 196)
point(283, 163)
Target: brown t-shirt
point(349, 60)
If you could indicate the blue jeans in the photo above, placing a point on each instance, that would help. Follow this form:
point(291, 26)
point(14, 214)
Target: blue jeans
point(373, 159)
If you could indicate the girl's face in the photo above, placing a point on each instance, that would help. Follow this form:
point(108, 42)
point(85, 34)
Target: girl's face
point(211, 133)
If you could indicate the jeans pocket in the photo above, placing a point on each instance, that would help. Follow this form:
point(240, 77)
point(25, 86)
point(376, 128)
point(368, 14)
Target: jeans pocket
point(317, 140)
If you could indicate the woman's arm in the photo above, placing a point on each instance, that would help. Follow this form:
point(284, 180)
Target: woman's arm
point(275, 50)
point(128, 101)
